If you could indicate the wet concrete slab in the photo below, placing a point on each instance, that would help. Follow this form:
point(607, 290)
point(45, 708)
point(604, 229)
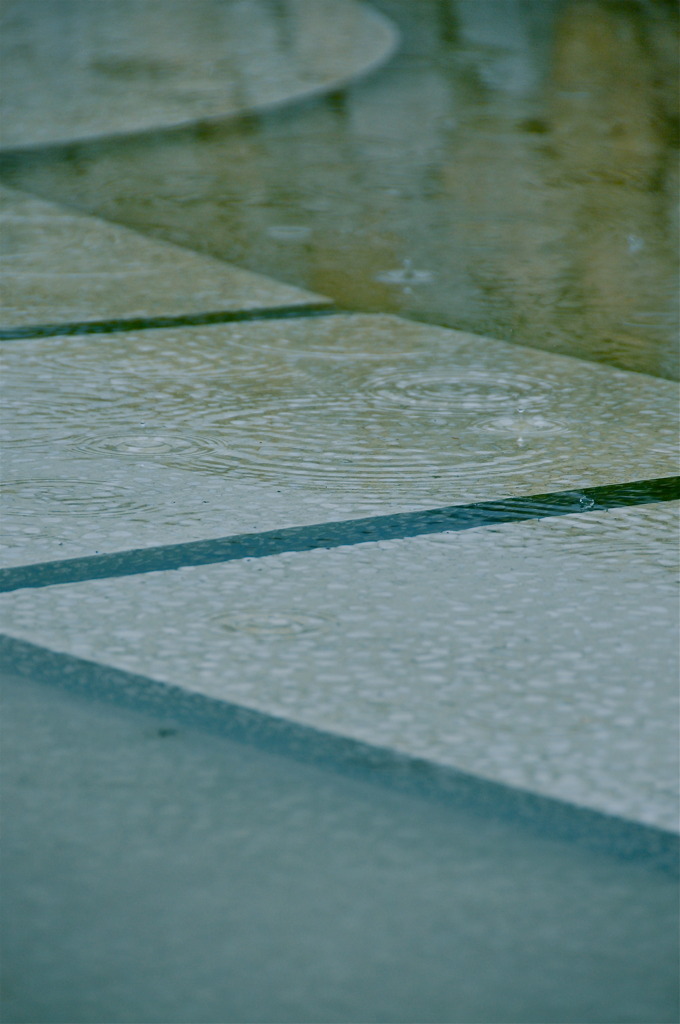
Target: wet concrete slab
point(539, 655)
point(155, 437)
point(60, 267)
point(538, 658)
point(76, 70)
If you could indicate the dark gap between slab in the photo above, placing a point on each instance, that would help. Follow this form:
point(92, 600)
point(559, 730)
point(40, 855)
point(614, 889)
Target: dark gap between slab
point(541, 815)
point(397, 526)
point(186, 320)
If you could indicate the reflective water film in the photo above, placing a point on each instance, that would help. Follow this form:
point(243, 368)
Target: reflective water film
point(202, 881)
point(160, 436)
point(71, 69)
point(512, 170)
point(339, 431)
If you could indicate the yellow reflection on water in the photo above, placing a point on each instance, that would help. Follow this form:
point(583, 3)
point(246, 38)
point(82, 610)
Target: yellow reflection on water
point(512, 171)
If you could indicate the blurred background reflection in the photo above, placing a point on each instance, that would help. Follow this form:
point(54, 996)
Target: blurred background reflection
point(511, 170)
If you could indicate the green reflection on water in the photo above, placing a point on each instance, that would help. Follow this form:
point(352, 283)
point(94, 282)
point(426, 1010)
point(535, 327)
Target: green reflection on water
point(513, 171)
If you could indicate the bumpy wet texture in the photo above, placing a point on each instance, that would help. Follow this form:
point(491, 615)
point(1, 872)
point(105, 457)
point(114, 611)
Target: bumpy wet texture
point(327, 535)
point(540, 655)
point(512, 172)
point(508, 172)
point(151, 435)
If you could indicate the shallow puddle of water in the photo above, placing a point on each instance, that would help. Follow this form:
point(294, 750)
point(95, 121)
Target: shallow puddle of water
point(344, 415)
point(156, 872)
point(512, 171)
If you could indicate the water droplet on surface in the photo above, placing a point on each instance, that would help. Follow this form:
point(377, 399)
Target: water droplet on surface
point(522, 425)
point(406, 274)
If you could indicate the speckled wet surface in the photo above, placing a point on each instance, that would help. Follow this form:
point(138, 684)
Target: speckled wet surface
point(164, 436)
point(541, 655)
point(512, 684)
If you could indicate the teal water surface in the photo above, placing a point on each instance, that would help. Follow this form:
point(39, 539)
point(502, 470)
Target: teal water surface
point(155, 872)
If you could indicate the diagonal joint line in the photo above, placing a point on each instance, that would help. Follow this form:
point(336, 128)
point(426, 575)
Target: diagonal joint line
point(31, 332)
point(396, 526)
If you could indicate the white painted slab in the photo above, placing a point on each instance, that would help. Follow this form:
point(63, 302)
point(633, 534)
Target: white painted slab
point(161, 436)
point(539, 654)
point(58, 266)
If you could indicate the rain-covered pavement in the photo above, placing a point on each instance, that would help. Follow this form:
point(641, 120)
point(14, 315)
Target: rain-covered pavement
point(267, 506)
point(512, 170)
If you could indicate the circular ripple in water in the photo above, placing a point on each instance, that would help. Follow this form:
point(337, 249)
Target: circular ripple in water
point(70, 497)
point(522, 425)
point(37, 438)
point(650, 534)
point(129, 365)
point(43, 411)
point(271, 624)
point(464, 391)
point(144, 445)
point(361, 450)
point(605, 541)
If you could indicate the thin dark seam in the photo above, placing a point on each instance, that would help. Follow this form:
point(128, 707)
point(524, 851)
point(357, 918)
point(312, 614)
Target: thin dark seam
point(542, 815)
point(395, 526)
point(33, 331)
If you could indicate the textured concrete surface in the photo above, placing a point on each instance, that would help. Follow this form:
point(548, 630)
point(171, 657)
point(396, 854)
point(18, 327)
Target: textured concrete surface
point(159, 436)
point(58, 267)
point(542, 655)
point(73, 69)
point(163, 874)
